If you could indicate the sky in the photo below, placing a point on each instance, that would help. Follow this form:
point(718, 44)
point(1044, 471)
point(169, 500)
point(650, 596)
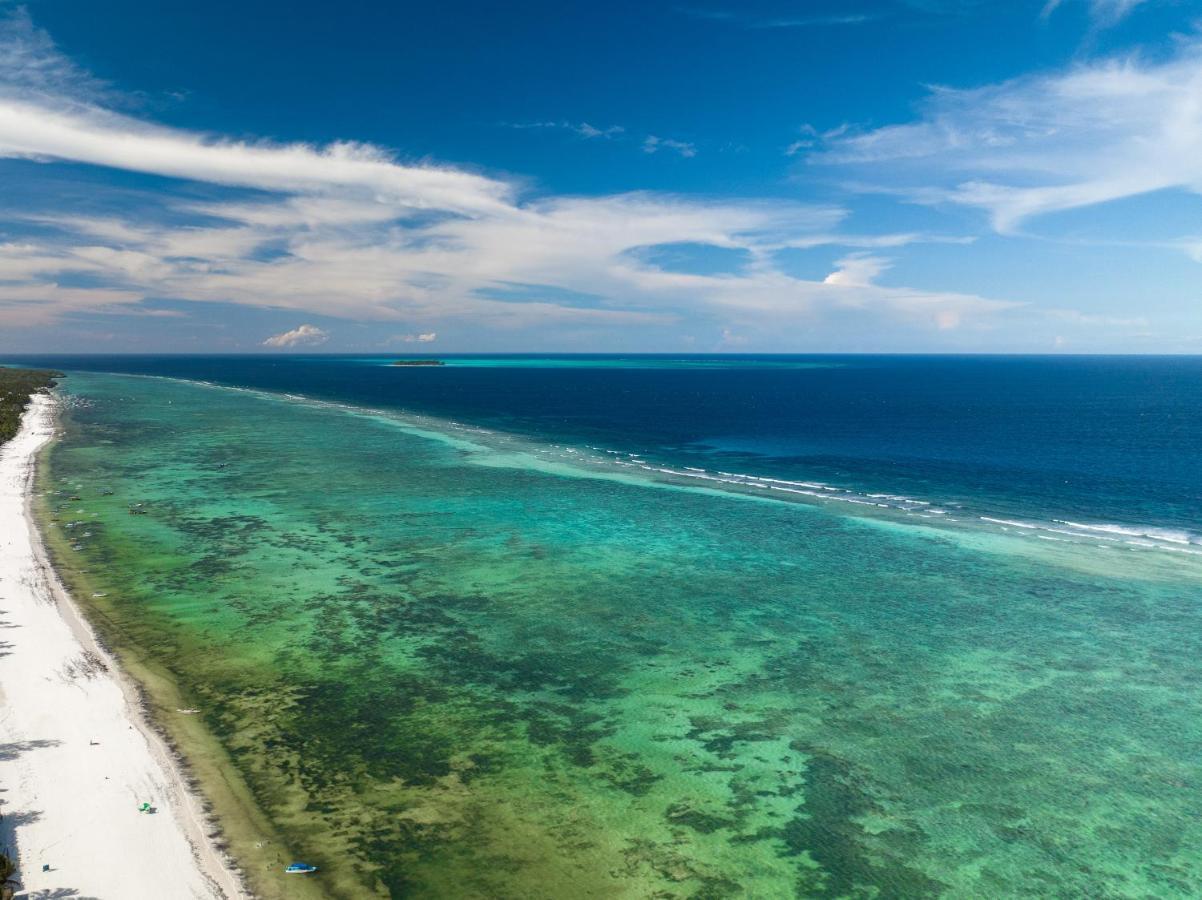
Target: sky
point(678, 177)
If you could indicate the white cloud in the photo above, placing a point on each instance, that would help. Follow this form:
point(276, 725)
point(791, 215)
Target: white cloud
point(583, 129)
point(51, 110)
point(29, 61)
point(858, 269)
point(448, 269)
point(1104, 12)
point(653, 144)
point(88, 135)
point(744, 20)
point(876, 241)
point(1031, 146)
point(346, 231)
point(30, 303)
point(425, 338)
point(301, 336)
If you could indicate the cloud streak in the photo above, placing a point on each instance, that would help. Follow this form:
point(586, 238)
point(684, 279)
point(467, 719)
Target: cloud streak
point(90, 135)
point(1104, 12)
point(582, 129)
point(745, 20)
point(653, 144)
point(1095, 133)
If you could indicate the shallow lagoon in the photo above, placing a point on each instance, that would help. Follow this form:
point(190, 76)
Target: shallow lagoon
point(446, 671)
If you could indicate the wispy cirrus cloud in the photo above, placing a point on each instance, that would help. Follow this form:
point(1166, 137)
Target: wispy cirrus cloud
point(752, 20)
point(582, 129)
point(1094, 133)
point(37, 130)
point(1104, 12)
point(811, 137)
point(650, 143)
point(653, 144)
point(30, 62)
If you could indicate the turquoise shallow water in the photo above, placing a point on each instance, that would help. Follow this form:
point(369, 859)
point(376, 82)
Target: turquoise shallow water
point(451, 665)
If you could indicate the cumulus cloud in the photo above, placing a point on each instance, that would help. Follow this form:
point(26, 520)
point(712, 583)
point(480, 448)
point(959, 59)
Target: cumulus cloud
point(301, 336)
point(427, 337)
point(1094, 133)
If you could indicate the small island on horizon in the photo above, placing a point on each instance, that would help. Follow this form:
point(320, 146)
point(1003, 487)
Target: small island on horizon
point(417, 362)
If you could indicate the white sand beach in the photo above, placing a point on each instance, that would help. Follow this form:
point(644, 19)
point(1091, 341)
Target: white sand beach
point(76, 757)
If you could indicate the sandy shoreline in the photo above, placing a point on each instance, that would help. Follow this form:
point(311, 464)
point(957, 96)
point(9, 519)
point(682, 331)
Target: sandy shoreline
point(76, 754)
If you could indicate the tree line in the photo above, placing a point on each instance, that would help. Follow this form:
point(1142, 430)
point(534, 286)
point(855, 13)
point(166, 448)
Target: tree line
point(16, 387)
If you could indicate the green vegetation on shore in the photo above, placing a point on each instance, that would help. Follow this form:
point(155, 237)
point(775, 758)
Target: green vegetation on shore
point(16, 387)
point(8, 876)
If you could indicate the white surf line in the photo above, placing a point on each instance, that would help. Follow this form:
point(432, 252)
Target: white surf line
point(77, 757)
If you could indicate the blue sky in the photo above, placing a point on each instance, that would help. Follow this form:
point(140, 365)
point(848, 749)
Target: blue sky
point(884, 175)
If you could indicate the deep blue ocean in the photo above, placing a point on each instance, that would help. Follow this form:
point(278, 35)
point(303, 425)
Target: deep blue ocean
point(1112, 443)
